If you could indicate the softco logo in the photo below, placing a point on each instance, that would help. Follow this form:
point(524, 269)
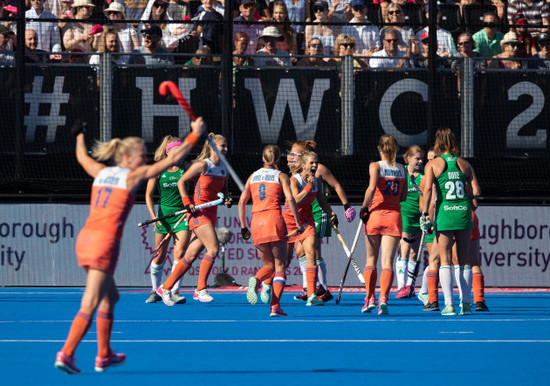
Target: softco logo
point(454, 207)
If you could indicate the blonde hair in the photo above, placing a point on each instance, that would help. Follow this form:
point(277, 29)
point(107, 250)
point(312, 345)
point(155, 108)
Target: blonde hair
point(160, 153)
point(401, 15)
point(205, 152)
point(102, 47)
point(116, 148)
point(308, 145)
point(412, 150)
point(388, 147)
point(300, 165)
point(271, 155)
point(341, 39)
point(445, 142)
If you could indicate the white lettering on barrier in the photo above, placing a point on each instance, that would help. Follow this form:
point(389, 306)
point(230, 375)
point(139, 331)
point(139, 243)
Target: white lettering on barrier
point(287, 96)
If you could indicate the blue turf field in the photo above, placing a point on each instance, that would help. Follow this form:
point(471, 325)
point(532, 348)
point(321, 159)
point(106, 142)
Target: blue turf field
point(229, 342)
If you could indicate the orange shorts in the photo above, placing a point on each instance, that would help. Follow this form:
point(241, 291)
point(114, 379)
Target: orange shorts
point(202, 217)
point(267, 226)
point(97, 249)
point(475, 232)
point(384, 222)
point(309, 223)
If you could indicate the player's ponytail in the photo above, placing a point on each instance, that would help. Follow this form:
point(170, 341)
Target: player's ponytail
point(271, 155)
point(388, 147)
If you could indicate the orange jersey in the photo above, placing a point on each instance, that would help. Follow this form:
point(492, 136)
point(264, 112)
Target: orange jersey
point(210, 183)
point(265, 190)
point(304, 207)
point(391, 182)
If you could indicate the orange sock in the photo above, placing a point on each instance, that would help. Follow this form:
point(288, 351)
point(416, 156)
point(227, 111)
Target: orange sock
point(104, 322)
point(311, 277)
point(386, 279)
point(206, 266)
point(181, 268)
point(370, 274)
point(279, 282)
point(433, 283)
point(81, 323)
point(478, 285)
point(264, 273)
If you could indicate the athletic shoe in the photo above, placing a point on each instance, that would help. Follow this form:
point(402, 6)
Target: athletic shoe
point(448, 310)
point(166, 296)
point(320, 291)
point(66, 363)
point(101, 364)
point(424, 298)
point(277, 311)
point(202, 296)
point(326, 297)
point(265, 295)
point(383, 306)
point(302, 296)
point(403, 292)
point(178, 298)
point(369, 306)
point(481, 307)
point(313, 300)
point(252, 292)
point(431, 307)
point(153, 297)
point(466, 309)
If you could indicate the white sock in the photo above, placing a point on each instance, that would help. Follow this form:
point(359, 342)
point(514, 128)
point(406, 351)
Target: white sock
point(303, 265)
point(322, 273)
point(156, 274)
point(410, 271)
point(466, 284)
point(400, 271)
point(176, 287)
point(446, 281)
point(424, 288)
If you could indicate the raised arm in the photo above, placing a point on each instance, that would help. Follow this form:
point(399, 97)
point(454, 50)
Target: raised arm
point(90, 165)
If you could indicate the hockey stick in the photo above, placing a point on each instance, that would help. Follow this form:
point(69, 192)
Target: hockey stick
point(167, 237)
point(350, 257)
point(349, 262)
point(174, 90)
point(209, 204)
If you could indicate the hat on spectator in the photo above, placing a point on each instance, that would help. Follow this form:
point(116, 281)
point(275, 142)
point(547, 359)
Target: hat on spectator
point(5, 30)
point(357, 2)
point(115, 7)
point(270, 32)
point(82, 3)
point(424, 36)
point(11, 8)
point(321, 5)
point(153, 30)
point(245, 2)
point(509, 37)
point(543, 37)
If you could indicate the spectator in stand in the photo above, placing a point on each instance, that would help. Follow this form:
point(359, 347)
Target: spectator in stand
point(288, 39)
point(339, 12)
point(7, 56)
point(510, 45)
point(466, 46)
point(245, 22)
point(541, 60)
point(201, 57)
point(344, 45)
point(321, 31)
point(407, 38)
point(527, 46)
point(298, 11)
point(241, 44)
point(78, 36)
point(389, 56)
point(445, 43)
point(152, 37)
point(488, 39)
point(127, 35)
point(48, 32)
point(270, 55)
point(536, 13)
point(32, 53)
point(109, 42)
point(211, 32)
point(421, 60)
point(10, 11)
point(367, 37)
point(156, 11)
point(314, 47)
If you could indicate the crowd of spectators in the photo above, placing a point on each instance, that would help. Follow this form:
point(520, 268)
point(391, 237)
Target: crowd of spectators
point(278, 33)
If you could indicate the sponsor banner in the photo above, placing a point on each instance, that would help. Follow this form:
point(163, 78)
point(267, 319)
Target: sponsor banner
point(37, 248)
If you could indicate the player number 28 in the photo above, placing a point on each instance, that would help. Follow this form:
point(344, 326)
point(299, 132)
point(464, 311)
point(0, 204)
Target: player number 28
point(454, 190)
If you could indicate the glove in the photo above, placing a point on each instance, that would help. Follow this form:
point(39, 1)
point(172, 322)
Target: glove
point(364, 214)
point(228, 202)
point(334, 220)
point(79, 127)
point(96, 29)
point(245, 232)
point(425, 222)
point(349, 214)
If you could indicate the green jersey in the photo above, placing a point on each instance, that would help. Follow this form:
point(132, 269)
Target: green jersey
point(452, 209)
point(321, 219)
point(170, 201)
point(410, 213)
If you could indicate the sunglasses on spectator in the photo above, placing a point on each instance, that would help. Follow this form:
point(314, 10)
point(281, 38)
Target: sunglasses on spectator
point(358, 8)
point(316, 45)
point(113, 13)
point(490, 25)
point(348, 45)
point(392, 40)
point(513, 45)
point(463, 43)
point(396, 12)
point(159, 5)
point(248, 6)
point(320, 10)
